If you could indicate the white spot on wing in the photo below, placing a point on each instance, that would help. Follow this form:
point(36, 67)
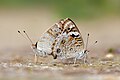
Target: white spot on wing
point(75, 33)
point(71, 26)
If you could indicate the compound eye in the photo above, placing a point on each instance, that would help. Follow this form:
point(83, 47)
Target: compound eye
point(36, 44)
point(58, 50)
point(85, 51)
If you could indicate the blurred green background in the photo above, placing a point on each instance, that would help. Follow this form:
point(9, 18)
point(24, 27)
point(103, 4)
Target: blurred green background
point(77, 9)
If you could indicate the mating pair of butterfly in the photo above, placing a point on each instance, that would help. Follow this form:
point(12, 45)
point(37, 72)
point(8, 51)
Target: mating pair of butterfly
point(63, 41)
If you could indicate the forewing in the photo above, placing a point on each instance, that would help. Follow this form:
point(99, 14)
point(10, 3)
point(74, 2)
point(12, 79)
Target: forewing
point(46, 41)
point(69, 42)
point(73, 32)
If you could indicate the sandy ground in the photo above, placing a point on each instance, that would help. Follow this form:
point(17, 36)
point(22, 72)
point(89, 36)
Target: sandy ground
point(16, 60)
point(23, 68)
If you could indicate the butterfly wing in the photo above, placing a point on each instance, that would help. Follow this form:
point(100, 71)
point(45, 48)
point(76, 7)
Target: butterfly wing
point(69, 42)
point(45, 42)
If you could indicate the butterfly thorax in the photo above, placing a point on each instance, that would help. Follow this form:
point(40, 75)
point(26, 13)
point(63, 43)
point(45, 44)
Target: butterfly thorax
point(37, 51)
point(81, 54)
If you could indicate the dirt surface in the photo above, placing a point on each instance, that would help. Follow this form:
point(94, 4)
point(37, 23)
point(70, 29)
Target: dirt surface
point(23, 68)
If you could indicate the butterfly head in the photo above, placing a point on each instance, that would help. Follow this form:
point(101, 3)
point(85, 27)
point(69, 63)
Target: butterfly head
point(85, 51)
point(34, 46)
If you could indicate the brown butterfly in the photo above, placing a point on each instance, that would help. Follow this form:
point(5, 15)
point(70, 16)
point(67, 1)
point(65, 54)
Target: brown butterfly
point(63, 41)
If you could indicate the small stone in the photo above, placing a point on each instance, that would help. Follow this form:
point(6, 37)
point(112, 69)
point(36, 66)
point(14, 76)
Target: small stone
point(109, 56)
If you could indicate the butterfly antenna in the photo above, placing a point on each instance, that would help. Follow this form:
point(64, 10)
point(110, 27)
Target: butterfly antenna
point(27, 36)
point(93, 44)
point(87, 41)
point(22, 35)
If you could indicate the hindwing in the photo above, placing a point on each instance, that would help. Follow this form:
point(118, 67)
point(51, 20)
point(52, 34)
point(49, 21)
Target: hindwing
point(69, 42)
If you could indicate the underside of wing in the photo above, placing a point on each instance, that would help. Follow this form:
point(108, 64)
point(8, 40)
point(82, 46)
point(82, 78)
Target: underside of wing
point(69, 42)
point(46, 41)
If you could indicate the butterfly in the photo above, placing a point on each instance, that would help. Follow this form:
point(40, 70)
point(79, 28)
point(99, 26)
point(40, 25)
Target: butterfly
point(63, 41)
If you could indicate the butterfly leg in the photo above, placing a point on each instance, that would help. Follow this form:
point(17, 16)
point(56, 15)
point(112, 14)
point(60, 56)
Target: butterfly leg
point(76, 57)
point(85, 58)
point(35, 58)
point(75, 60)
